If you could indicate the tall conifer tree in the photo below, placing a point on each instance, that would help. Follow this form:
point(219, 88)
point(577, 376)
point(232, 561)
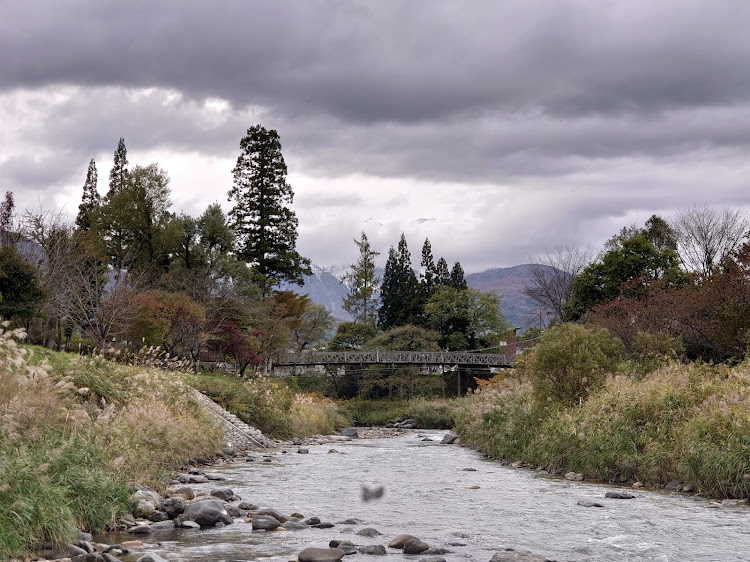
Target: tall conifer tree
point(458, 280)
point(119, 172)
point(398, 293)
point(442, 273)
point(265, 226)
point(360, 301)
point(90, 199)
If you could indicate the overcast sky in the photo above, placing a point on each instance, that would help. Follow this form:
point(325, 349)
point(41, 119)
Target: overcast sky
point(495, 128)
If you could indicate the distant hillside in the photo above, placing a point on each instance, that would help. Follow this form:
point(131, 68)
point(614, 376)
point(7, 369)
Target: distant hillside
point(324, 287)
point(508, 283)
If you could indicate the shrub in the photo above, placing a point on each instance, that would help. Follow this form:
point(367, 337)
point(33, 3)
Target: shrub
point(570, 361)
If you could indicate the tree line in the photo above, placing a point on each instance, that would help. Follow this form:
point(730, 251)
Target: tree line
point(670, 287)
point(129, 272)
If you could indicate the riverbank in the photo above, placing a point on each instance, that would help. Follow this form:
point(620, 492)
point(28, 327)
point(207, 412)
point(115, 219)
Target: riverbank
point(682, 427)
point(76, 433)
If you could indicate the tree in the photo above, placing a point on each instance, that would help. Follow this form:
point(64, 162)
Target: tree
point(442, 274)
point(429, 276)
point(21, 294)
point(360, 301)
point(464, 318)
point(624, 272)
point(119, 172)
point(314, 327)
point(90, 200)
point(132, 220)
point(6, 219)
point(458, 279)
point(552, 276)
point(706, 235)
point(238, 345)
point(398, 292)
point(265, 226)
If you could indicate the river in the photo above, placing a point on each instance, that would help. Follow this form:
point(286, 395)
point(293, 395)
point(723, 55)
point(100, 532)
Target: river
point(429, 494)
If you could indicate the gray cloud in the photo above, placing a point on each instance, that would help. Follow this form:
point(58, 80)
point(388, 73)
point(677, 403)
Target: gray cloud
point(512, 123)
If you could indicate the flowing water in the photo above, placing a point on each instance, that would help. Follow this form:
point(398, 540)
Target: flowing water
point(430, 495)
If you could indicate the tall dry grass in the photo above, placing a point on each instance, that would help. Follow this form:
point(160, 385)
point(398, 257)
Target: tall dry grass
point(76, 431)
point(681, 422)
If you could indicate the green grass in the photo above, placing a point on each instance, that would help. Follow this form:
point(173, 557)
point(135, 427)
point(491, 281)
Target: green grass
point(428, 414)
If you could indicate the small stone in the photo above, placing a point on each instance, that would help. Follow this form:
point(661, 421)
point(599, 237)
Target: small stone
point(574, 476)
point(109, 557)
point(674, 486)
point(151, 557)
point(349, 432)
point(303, 451)
point(637, 485)
point(265, 522)
point(588, 503)
point(190, 525)
point(473, 488)
point(131, 544)
point(369, 532)
point(436, 551)
point(432, 559)
point(449, 439)
point(469, 469)
point(348, 522)
point(225, 494)
point(294, 526)
point(323, 525)
point(688, 488)
point(511, 555)
point(313, 554)
point(140, 530)
point(185, 492)
point(247, 506)
point(312, 521)
point(518, 464)
point(619, 496)
point(157, 516)
point(373, 549)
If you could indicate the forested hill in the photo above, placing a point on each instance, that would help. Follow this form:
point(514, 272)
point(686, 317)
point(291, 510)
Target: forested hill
point(324, 287)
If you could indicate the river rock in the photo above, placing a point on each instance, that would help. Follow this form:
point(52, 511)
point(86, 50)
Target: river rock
point(265, 522)
point(432, 559)
point(247, 506)
point(233, 510)
point(434, 551)
point(415, 546)
point(619, 496)
point(449, 439)
point(510, 555)
point(372, 549)
point(312, 521)
point(74, 550)
point(195, 479)
point(400, 541)
point(302, 451)
point(88, 557)
point(349, 432)
point(323, 525)
point(225, 494)
point(185, 492)
point(369, 532)
point(674, 486)
point(166, 525)
point(294, 526)
point(150, 557)
point(574, 476)
point(273, 513)
point(157, 515)
point(468, 469)
point(107, 557)
point(588, 503)
point(190, 525)
point(140, 530)
point(313, 554)
point(207, 513)
point(174, 506)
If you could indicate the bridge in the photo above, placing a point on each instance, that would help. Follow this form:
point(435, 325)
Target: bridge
point(462, 359)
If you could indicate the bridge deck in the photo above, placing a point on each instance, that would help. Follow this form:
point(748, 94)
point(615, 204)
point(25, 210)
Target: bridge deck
point(376, 357)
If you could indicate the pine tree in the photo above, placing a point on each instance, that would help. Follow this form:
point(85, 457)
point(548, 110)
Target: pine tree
point(458, 280)
point(119, 172)
point(442, 274)
point(90, 199)
point(6, 218)
point(428, 277)
point(398, 293)
point(265, 226)
point(359, 302)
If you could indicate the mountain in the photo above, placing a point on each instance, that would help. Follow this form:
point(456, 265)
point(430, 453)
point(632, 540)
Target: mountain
point(509, 283)
point(325, 287)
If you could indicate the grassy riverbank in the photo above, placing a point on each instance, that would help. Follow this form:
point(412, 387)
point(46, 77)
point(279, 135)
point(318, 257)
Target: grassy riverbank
point(76, 432)
point(428, 414)
point(681, 422)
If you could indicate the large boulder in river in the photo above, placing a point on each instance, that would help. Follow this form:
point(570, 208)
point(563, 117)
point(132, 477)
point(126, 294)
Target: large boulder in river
point(225, 494)
point(415, 546)
point(265, 522)
point(349, 432)
point(400, 541)
point(174, 506)
point(207, 513)
point(145, 502)
point(449, 439)
point(313, 554)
